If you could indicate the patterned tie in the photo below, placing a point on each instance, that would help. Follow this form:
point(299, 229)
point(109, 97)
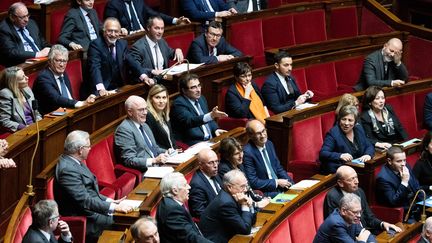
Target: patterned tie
point(27, 39)
point(112, 51)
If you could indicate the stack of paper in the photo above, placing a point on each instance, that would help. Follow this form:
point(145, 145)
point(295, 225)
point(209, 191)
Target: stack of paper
point(158, 172)
point(282, 198)
point(135, 204)
point(305, 105)
point(304, 184)
point(179, 158)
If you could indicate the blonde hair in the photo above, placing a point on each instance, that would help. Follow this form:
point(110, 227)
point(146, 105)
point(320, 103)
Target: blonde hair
point(10, 81)
point(164, 115)
point(346, 99)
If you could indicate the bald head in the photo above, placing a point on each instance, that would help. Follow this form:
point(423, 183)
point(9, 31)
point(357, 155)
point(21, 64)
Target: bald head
point(144, 230)
point(392, 50)
point(395, 42)
point(18, 14)
point(136, 108)
point(257, 132)
point(427, 229)
point(347, 179)
point(208, 162)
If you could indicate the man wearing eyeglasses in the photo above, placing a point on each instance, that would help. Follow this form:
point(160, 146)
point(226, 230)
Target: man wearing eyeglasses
point(20, 38)
point(45, 217)
point(211, 47)
point(206, 183)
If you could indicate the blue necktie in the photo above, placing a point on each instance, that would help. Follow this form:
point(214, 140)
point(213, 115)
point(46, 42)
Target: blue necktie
point(267, 161)
point(30, 42)
point(148, 142)
point(206, 7)
point(64, 89)
point(134, 19)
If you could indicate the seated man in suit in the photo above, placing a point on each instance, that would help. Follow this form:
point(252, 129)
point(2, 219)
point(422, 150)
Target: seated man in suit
point(262, 167)
point(426, 235)
point(206, 10)
point(231, 212)
point(20, 38)
point(52, 87)
point(76, 188)
point(206, 183)
point(106, 58)
point(80, 26)
point(384, 67)
point(396, 185)
point(45, 217)
point(347, 182)
point(134, 144)
point(280, 90)
point(174, 222)
point(133, 14)
point(427, 111)
point(211, 47)
point(344, 223)
point(191, 120)
point(144, 230)
point(247, 6)
point(150, 54)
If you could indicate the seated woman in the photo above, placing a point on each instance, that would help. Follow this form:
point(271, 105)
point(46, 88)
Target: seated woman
point(379, 121)
point(344, 142)
point(16, 110)
point(347, 99)
point(423, 167)
point(231, 153)
point(243, 98)
point(158, 116)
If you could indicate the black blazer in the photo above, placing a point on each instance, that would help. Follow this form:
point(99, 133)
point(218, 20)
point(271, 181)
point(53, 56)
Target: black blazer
point(11, 47)
point(160, 134)
point(201, 193)
point(275, 95)
point(33, 235)
point(236, 105)
point(199, 52)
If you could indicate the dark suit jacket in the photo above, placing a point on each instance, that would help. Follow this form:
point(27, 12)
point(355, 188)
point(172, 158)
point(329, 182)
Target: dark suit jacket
point(103, 68)
point(421, 240)
point(195, 10)
point(11, 47)
point(201, 193)
point(225, 166)
point(187, 122)
point(74, 28)
point(275, 95)
point(335, 229)
point(428, 112)
point(48, 94)
point(335, 144)
point(242, 5)
point(199, 51)
point(140, 59)
point(390, 191)
point(236, 105)
point(381, 136)
point(160, 134)
point(373, 72)
point(117, 9)
point(175, 224)
point(130, 147)
point(223, 218)
point(33, 235)
point(256, 170)
point(368, 219)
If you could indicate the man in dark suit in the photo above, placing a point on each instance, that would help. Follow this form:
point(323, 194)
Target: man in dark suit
point(280, 90)
point(20, 38)
point(426, 235)
point(174, 221)
point(384, 67)
point(347, 182)
point(52, 87)
point(211, 47)
point(191, 119)
point(247, 6)
point(77, 191)
point(150, 54)
point(206, 183)
point(427, 111)
point(262, 167)
point(344, 224)
point(133, 14)
point(45, 217)
point(206, 10)
point(106, 57)
point(134, 144)
point(396, 185)
point(231, 212)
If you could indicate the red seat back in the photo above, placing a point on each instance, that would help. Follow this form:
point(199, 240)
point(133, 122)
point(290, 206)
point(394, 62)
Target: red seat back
point(303, 146)
point(348, 71)
point(300, 78)
point(23, 225)
point(309, 26)
point(318, 208)
point(419, 49)
point(57, 17)
point(327, 122)
point(181, 41)
point(99, 162)
point(99, 6)
point(321, 79)
point(284, 36)
point(74, 71)
point(419, 106)
point(31, 78)
point(372, 24)
point(343, 22)
point(302, 228)
point(404, 107)
point(281, 233)
point(50, 189)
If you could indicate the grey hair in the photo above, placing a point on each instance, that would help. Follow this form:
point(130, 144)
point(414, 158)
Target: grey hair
point(169, 182)
point(131, 100)
point(230, 176)
point(74, 141)
point(42, 213)
point(135, 228)
point(427, 227)
point(12, 9)
point(349, 200)
point(57, 49)
point(109, 19)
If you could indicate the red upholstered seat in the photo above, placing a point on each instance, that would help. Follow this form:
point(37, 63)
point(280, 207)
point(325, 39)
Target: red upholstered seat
point(260, 81)
point(404, 107)
point(309, 26)
point(74, 71)
point(284, 36)
point(343, 22)
point(372, 24)
point(318, 204)
point(181, 41)
point(321, 79)
point(274, 3)
point(419, 105)
point(415, 239)
point(419, 49)
point(281, 233)
point(99, 6)
point(248, 39)
point(57, 17)
point(300, 78)
point(31, 78)
point(327, 122)
point(391, 215)
point(24, 223)
point(301, 224)
point(348, 72)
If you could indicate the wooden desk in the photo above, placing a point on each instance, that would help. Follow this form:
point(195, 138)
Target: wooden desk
point(409, 232)
point(110, 236)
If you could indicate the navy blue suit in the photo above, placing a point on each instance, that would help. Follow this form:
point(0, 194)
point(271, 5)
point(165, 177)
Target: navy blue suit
point(223, 218)
point(103, 68)
point(236, 105)
point(199, 50)
point(201, 193)
point(33, 235)
point(335, 144)
point(195, 10)
point(225, 166)
point(335, 229)
point(118, 10)
point(187, 122)
point(391, 192)
point(428, 112)
point(48, 94)
point(275, 96)
point(256, 172)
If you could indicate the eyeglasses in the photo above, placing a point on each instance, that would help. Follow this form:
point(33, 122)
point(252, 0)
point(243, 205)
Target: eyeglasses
point(246, 75)
point(357, 213)
point(112, 31)
point(22, 17)
point(261, 133)
point(54, 217)
point(195, 87)
point(60, 60)
point(214, 35)
point(86, 146)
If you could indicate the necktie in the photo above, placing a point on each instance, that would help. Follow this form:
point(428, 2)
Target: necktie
point(148, 142)
point(289, 85)
point(156, 57)
point(112, 51)
point(64, 89)
point(255, 5)
point(205, 126)
point(268, 164)
point(216, 185)
point(206, 7)
point(27, 39)
point(133, 18)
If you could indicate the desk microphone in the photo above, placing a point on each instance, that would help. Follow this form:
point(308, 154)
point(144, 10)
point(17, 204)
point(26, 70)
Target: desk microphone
point(34, 111)
point(423, 215)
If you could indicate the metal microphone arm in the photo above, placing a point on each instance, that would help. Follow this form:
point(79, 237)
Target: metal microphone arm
point(423, 215)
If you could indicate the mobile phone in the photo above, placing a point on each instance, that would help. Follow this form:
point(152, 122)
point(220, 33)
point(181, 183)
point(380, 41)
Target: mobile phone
point(142, 192)
point(58, 113)
point(391, 232)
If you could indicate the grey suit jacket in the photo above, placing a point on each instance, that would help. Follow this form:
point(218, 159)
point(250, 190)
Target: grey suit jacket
point(242, 5)
point(11, 111)
point(129, 145)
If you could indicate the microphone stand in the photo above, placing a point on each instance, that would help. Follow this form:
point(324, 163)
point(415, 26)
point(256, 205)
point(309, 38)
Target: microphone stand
point(423, 215)
point(30, 191)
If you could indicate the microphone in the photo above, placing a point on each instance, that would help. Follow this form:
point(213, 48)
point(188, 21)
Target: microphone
point(35, 107)
point(34, 111)
point(423, 215)
point(253, 195)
